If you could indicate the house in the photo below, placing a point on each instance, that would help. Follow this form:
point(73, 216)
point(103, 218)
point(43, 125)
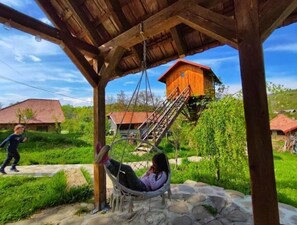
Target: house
point(282, 125)
point(183, 73)
point(36, 114)
point(127, 121)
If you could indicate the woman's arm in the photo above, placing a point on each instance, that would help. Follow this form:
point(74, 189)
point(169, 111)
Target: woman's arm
point(155, 184)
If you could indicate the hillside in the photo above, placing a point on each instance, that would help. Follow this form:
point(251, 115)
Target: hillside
point(282, 101)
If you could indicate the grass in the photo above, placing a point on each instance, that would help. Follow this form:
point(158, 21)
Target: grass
point(285, 165)
point(22, 195)
point(286, 177)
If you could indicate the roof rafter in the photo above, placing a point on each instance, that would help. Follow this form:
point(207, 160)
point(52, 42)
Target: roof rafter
point(123, 24)
point(178, 40)
point(152, 26)
point(112, 60)
point(85, 22)
point(80, 61)
point(273, 13)
point(217, 26)
point(33, 26)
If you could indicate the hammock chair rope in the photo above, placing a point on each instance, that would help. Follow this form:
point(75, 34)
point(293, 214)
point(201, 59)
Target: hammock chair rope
point(121, 192)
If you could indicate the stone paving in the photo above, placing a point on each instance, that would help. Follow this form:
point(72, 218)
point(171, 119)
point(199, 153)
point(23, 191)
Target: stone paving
point(191, 203)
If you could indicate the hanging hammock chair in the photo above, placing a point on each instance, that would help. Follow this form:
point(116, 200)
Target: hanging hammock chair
point(124, 149)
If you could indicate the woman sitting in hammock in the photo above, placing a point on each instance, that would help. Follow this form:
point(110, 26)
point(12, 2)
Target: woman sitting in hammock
point(152, 180)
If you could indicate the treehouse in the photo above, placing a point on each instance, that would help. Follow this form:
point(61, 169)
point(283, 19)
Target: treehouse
point(198, 79)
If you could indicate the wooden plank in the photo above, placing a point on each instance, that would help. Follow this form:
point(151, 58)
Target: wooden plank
point(112, 60)
point(155, 24)
point(85, 22)
point(35, 27)
point(99, 138)
point(217, 26)
point(122, 22)
point(264, 197)
point(273, 13)
point(82, 64)
point(178, 40)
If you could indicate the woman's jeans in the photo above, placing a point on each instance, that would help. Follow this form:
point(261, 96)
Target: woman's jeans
point(127, 176)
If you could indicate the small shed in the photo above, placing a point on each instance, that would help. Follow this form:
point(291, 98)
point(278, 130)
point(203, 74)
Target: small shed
point(127, 121)
point(183, 73)
point(36, 114)
point(282, 125)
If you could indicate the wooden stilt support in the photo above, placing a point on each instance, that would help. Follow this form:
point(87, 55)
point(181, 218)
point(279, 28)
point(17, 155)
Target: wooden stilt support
point(264, 197)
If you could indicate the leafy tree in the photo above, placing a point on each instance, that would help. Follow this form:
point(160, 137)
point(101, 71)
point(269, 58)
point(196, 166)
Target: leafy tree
point(25, 114)
point(220, 136)
point(277, 98)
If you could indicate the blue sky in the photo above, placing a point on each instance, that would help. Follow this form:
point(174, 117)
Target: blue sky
point(26, 62)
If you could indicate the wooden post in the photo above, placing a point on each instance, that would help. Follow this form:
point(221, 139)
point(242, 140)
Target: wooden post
point(99, 138)
point(264, 197)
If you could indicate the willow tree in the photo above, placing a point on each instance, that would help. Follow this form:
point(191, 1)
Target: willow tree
point(220, 138)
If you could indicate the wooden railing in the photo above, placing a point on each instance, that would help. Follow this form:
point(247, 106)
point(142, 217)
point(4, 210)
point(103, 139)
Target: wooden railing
point(156, 126)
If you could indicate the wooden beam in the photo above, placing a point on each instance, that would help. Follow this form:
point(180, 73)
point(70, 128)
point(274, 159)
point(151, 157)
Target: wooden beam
point(35, 27)
point(175, 34)
point(164, 19)
point(264, 197)
point(123, 24)
point(178, 40)
point(117, 14)
point(273, 13)
point(111, 62)
point(217, 26)
point(99, 138)
point(85, 22)
point(82, 64)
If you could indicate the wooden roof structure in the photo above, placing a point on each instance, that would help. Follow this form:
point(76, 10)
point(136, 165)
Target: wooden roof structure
point(104, 40)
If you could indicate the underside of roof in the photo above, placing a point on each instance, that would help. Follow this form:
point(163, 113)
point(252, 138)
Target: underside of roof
point(106, 37)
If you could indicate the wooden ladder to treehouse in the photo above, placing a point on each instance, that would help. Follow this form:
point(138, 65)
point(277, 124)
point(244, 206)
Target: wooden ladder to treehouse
point(158, 123)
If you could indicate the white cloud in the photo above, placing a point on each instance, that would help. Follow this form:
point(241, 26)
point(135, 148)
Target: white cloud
point(46, 21)
point(34, 58)
point(292, 47)
point(27, 44)
point(16, 3)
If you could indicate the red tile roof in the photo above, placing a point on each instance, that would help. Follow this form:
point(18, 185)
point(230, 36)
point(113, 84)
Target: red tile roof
point(46, 111)
point(180, 61)
point(283, 123)
point(129, 117)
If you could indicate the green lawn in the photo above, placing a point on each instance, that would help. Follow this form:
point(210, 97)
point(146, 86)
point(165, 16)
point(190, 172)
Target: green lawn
point(286, 177)
point(22, 195)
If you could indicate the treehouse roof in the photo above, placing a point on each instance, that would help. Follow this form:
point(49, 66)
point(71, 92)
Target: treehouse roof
point(207, 70)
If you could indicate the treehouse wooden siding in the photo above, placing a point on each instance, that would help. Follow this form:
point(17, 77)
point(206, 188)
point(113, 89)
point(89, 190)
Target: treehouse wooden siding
point(183, 73)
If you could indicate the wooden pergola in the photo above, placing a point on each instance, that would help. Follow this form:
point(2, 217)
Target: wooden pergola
point(104, 39)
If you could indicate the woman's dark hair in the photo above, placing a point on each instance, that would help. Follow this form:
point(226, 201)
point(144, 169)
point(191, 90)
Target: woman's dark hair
point(161, 162)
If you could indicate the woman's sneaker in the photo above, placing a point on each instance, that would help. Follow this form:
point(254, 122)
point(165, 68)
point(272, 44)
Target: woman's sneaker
point(102, 155)
point(2, 171)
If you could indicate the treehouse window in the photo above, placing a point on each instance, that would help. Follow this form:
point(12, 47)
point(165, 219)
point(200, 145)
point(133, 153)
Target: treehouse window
point(182, 74)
